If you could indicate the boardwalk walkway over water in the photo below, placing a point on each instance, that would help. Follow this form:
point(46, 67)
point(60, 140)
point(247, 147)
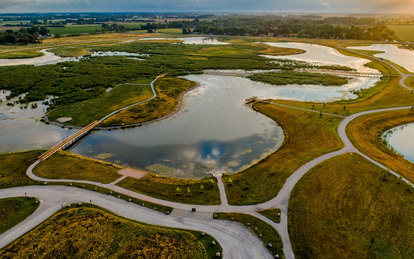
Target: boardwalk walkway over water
point(319, 71)
point(68, 141)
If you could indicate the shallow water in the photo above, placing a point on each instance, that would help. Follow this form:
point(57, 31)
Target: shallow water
point(48, 58)
point(402, 57)
point(22, 129)
point(194, 40)
point(322, 55)
point(401, 139)
point(116, 53)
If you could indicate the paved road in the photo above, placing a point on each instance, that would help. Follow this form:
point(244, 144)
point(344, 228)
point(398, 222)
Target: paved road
point(237, 241)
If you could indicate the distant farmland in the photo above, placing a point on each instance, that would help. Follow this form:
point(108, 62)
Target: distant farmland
point(76, 29)
point(404, 32)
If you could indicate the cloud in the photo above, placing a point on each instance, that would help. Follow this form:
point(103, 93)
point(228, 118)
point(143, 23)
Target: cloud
point(7, 3)
point(359, 6)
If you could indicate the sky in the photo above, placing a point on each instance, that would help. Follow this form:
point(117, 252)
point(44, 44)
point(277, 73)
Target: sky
point(305, 6)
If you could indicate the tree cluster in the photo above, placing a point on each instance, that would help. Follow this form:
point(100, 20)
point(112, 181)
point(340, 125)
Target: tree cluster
point(23, 36)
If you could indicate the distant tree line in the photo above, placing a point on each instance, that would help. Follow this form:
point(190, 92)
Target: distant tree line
point(325, 28)
point(23, 36)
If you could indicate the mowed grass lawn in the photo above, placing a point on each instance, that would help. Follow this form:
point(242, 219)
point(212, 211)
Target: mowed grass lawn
point(189, 191)
point(403, 31)
point(169, 90)
point(13, 168)
point(307, 136)
point(14, 211)
point(64, 165)
point(347, 207)
point(85, 112)
point(90, 232)
point(366, 134)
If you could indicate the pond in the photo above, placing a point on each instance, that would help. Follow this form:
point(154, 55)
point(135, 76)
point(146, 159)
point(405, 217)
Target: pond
point(399, 56)
point(215, 130)
point(401, 140)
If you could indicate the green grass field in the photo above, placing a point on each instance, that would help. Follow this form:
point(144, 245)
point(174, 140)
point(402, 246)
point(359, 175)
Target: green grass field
point(64, 165)
point(83, 113)
point(170, 31)
point(269, 234)
point(13, 168)
point(30, 53)
point(94, 233)
point(300, 78)
point(347, 207)
point(404, 32)
point(308, 135)
point(75, 29)
point(168, 88)
point(14, 211)
point(203, 191)
point(366, 134)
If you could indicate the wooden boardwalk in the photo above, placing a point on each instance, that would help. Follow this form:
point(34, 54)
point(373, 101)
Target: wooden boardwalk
point(318, 71)
point(68, 141)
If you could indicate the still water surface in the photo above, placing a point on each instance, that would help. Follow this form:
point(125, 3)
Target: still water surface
point(401, 139)
point(399, 56)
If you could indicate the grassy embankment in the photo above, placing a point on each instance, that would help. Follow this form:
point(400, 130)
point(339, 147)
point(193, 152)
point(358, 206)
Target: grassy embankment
point(14, 211)
point(169, 89)
point(308, 135)
point(410, 82)
point(13, 173)
point(272, 214)
point(301, 78)
point(13, 168)
point(75, 51)
point(204, 191)
point(30, 53)
point(268, 234)
point(83, 113)
point(403, 31)
point(64, 165)
point(366, 134)
point(362, 210)
point(93, 232)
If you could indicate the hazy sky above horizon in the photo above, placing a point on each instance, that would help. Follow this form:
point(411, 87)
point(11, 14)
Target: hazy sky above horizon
point(325, 6)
